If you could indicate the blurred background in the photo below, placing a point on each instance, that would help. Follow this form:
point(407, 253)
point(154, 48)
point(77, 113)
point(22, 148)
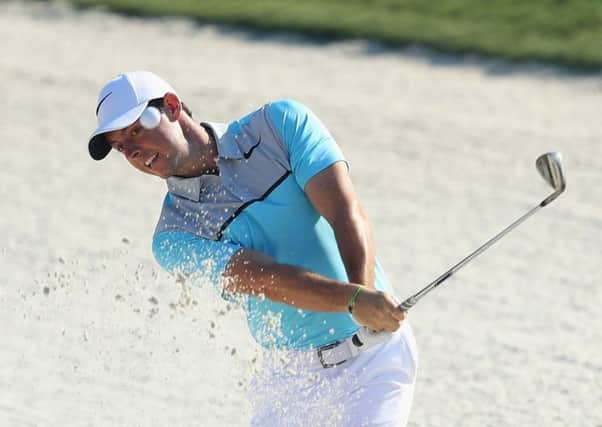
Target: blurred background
point(441, 110)
point(556, 31)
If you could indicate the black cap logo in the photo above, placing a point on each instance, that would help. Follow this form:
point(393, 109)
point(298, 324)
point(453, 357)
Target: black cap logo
point(101, 101)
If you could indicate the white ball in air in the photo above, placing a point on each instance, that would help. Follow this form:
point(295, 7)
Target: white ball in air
point(150, 118)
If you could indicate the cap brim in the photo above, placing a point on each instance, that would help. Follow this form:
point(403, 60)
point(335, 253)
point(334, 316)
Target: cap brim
point(98, 147)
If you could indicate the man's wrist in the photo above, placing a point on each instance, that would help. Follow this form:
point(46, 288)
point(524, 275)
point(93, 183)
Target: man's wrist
point(353, 299)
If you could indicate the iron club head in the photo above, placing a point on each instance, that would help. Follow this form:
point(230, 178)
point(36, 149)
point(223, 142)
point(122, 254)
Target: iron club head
point(549, 166)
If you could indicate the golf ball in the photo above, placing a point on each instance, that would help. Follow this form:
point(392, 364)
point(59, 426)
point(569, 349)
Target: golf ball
point(150, 118)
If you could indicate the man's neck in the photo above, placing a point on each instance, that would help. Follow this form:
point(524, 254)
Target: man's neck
point(201, 159)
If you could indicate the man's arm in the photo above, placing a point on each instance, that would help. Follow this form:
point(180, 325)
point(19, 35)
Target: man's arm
point(251, 272)
point(235, 270)
point(333, 196)
point(318, 166)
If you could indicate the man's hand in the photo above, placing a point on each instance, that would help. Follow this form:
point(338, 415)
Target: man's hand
point(378, 311)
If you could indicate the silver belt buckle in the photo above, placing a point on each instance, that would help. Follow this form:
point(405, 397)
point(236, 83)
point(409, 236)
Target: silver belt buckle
point(324, 363)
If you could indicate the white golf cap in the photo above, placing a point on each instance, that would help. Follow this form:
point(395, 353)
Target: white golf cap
point(121, 102)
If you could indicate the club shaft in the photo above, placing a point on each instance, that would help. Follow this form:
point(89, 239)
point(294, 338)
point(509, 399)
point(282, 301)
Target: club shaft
point(409, 303)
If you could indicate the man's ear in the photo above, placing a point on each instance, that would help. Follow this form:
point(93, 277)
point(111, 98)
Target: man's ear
point(172, 106)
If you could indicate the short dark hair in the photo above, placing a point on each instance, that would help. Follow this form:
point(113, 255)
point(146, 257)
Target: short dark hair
point(158, 103)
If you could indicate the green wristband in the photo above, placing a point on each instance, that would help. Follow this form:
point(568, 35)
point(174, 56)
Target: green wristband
point(351, 304)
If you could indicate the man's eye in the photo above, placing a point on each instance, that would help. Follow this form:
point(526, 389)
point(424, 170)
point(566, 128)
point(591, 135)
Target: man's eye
point(135, 131)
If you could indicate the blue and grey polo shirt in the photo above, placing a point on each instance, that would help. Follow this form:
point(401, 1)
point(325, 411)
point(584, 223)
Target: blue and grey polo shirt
point(258, 202)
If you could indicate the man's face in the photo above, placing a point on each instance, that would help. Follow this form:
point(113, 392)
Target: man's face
point(157, 151)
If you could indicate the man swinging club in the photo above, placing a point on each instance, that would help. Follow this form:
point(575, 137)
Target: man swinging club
point(263, 209)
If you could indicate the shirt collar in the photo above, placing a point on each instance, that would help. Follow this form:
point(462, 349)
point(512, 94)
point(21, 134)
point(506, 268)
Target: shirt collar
point(189, 188)
point(228, 139)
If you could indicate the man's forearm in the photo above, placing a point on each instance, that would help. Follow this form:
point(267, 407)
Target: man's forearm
point(253, 273)
point(250, 272)
point(331, 193)
point(356, 245)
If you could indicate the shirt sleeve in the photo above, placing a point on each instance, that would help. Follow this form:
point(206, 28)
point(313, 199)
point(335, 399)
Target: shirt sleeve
point(202, 261)
point(311, 147)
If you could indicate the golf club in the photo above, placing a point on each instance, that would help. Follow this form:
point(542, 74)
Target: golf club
point(549, 166)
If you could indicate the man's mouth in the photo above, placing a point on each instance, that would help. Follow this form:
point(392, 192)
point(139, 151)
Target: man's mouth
point(150, 160)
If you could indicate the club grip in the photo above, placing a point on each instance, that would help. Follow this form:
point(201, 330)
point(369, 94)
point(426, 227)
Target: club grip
point(407, 304)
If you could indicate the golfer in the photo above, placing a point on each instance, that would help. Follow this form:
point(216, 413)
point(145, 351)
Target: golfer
point(263, 209)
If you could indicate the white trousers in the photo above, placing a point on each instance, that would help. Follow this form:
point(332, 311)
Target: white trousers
point(374, 388)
